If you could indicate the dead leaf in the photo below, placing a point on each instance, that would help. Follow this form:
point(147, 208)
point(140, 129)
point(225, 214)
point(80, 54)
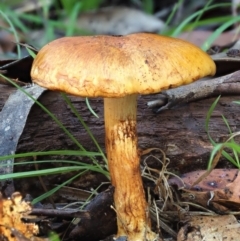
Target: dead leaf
point(230, 194)
point(198, 37)
point(119, 21)
point(213, 228)
point(12, 122)
point(7, 42)
point(219, 191)
point(217, 179)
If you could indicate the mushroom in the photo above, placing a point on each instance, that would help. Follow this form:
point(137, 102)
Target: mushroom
point(118, 68)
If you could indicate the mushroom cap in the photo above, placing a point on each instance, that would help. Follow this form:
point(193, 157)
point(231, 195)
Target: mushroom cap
point(115, 66)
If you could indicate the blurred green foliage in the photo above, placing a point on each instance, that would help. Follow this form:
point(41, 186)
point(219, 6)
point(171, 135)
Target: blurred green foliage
point(86, 5)
point(148, 6)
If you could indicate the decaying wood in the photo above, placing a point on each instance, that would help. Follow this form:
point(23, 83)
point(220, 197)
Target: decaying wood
point(179, 132)
point(224, 85)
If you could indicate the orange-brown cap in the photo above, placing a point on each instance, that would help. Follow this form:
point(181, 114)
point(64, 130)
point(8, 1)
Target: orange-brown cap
point(114, 66)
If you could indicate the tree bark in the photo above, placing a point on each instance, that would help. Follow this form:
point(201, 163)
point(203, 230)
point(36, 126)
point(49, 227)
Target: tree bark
point(179, 132)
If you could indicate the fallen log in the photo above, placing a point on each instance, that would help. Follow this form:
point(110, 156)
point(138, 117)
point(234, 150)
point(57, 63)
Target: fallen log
point(179, 132)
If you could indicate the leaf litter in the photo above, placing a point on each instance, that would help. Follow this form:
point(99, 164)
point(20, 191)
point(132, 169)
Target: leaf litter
point(174, 199)
point(206, 211)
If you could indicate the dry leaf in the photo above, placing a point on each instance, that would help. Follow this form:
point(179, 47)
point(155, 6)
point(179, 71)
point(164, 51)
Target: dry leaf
point(219, 191)
point(119, 21)
point(17, 105)
point(214, 228)
point(217, 179)
point(230, 195)
point(198, 37)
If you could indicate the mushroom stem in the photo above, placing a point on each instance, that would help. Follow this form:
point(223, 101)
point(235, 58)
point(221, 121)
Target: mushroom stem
point(124, 166)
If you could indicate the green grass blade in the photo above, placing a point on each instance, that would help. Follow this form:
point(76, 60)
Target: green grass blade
point(69, 162)
point(31, 53)
point(59, 123)
point(227, 124)
point(47, 153)
point(180, 28)
point(208, 117)
point(206, 45)
point(204, 9)
point(16, 21)
point(148, 6)
point(90, 108)
point(225, 154)
point(175, 8)
point(13, 31)
point(84, 125)
point(73, 18)
point(52, 191)
point(51, 171)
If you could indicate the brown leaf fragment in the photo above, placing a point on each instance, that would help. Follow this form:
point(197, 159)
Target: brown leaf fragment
point(210, 228)
point(217, 179)
point(230, 193)
point(6, 42)
point(119, 21)
point(198, 37)
point(219, 191)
